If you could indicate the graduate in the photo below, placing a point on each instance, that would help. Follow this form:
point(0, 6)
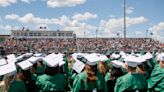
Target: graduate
point(26, 74)
point(8, 72)
point(156, 81)
point(90, 79)
point(113, 74)
point(52, 80)
point(131, 81)
point(18, 85)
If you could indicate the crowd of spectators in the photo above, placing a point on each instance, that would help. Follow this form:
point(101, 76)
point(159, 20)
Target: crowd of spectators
point(80, 45)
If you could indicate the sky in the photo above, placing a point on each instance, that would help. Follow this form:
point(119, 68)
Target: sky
point(84, 17)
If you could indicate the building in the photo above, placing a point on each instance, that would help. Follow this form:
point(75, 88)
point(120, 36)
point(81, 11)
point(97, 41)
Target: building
point(28, 34)
point(4, 37)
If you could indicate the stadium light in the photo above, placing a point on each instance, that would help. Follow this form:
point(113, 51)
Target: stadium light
point(124, 19)
point(96, 33)
point(146, 33)
point(124, 25)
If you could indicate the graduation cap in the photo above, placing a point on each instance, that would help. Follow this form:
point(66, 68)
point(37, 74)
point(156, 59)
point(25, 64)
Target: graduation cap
point(78, 66)
point(11, 58)
point(91, 59)
point(61, 63)
point(60, 58)
point(25, 65)
point(38, 54)
point(131, 61)
point(102, 57)
point(52, 60)
point(140, 59)
point(122, 53)
point(160, 57)
point(138, 54)
point(19, 58)
point(28, 54)
point(115, 56)
point(117, 63)
point(33, 59)
point(78, 56)
point(148, 55)
point(8, 69)
point(3, 62)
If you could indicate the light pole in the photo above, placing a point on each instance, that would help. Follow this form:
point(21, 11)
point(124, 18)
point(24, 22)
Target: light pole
point(84, 34)
point(96, 33)
point(124, 24)
point(124, 19)
point(146, 33)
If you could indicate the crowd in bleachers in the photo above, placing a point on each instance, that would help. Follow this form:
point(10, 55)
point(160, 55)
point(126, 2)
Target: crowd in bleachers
point(80, 44)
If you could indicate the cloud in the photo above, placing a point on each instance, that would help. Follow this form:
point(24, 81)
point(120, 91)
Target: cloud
point(64, 3)
point(81, 28)
point(5, 3)
point(5, 27)
point(157, 27)
point(67, 23)
point(62, 21)
point(111, 16)
point(12, 16)
point(138, 33)
point(84, 16)
point(27, 1)
point(129, 10)
point(31, 19)
point(112, 26)
point(157, 30)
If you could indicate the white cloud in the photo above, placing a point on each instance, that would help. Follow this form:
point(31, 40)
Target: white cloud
point(12, 16)
point(28, 18)
point(112, 26)
point(158, 33)
point(64, 3)
point(111, 16)
point(84, 16)
point(129, 10)
point(31, 19)
point(5, 3)
point(27, 1)
point(157, 27)
point(81, 28)
point(67, 23)
point(137, 33)
point(5, 27)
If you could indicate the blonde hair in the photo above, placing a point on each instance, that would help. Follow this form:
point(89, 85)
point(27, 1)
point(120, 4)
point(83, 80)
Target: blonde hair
point(91, 73)
point(103, 68)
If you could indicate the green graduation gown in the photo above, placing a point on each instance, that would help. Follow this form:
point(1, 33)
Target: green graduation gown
point(129, 81)
point(58, 82)
point(156, 81)
point(40, 70)
point(80, 83)
point(66, 66)
point(17, 86)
